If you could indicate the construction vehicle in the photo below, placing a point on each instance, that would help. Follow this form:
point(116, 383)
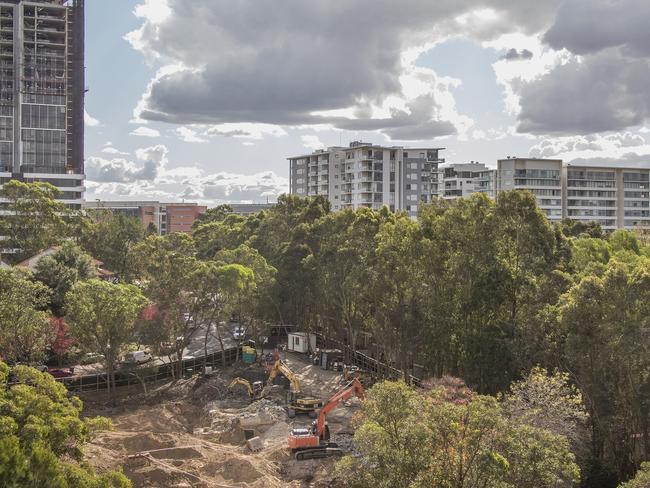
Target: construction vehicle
point(254, 389)
point(314, 442)
point(297, 403)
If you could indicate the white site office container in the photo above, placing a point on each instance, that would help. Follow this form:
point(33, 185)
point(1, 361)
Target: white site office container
point(301, 342)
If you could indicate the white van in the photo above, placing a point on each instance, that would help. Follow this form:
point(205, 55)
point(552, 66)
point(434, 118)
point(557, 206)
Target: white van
point(137, 357)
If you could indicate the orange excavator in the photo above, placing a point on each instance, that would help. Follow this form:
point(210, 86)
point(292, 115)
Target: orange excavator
point(314, 442)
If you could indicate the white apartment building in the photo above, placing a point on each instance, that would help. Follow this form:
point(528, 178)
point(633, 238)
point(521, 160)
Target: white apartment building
point(457, 180)
point(368, 175)
point(542, 177)
point(615, 197)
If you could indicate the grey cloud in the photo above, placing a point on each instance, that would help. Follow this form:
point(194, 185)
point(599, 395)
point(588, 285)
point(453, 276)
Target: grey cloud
point(632, 160)
point(604, 92)
point(228, 133)
point(118, 170)
point(590, 26)
point(279, 65)
point(418, 123)
point(552, 147)
point(514, 55)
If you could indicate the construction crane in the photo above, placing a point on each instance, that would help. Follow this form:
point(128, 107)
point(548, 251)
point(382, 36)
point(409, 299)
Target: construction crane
point(296, 403)
point(313, 442)
point(254, 389)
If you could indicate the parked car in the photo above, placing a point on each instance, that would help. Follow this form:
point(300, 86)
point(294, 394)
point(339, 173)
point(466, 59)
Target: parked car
point(239, 332)
point(92, 358)
point(137, 357)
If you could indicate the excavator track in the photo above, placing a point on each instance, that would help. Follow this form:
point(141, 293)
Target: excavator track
point(319, 452)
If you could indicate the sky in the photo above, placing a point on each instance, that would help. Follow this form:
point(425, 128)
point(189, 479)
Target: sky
point(203, 100)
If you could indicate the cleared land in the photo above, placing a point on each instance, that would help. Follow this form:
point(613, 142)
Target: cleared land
point(191, 433)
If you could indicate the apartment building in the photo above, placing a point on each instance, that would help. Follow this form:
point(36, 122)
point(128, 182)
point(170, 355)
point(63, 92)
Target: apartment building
point(368, 175)
point(458, 180)
point(42, 94)
point(542, 177)
point(615, 197)
point(166, 217)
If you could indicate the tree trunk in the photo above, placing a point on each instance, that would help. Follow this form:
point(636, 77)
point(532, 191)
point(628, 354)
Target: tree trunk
point(205, 345)
point(223, 352)
point(109, 378)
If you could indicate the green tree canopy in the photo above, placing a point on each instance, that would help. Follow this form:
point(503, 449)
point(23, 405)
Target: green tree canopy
point(102, 317)
point(408, 440)
point(62, 269)
point(25, 331)
point(34, 219)
point(110, 237)
point(42, 435)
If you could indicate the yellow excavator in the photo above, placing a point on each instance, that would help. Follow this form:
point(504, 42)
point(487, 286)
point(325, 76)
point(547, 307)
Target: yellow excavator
point(297, 403)
point(254, 389)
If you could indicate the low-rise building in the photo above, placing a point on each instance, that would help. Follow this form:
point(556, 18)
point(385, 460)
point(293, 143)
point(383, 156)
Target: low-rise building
point(166, 217)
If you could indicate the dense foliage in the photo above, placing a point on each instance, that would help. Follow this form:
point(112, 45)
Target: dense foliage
point(25, 331)
point(42, 435)
point(412, 440)
point(481, 289)
point(474, 288)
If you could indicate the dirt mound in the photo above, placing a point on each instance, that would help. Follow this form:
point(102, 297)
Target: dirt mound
point(177, 453)
point(146, 442)
point(239, 470)
point(207, 389)
point(167, 417)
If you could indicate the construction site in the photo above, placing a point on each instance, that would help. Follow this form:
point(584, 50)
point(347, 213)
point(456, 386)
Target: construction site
point(232, 427)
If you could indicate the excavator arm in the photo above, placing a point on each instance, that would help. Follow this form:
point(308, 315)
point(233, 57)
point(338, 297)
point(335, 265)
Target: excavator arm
point(351, 389)
point(280, 367)
point(243, 382)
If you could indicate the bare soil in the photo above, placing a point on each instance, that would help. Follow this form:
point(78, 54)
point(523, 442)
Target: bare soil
point(191, 432)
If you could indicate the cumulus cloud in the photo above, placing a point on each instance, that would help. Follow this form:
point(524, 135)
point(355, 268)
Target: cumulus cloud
point(245, 130)
point(149, 176)
point(592, 146)
point(589, 26)
point(89, 120)
point(110, 149)
point(312, 142)
point(600, 93)
point(189, 135)
point(149, 163)
point(309, 63)
point(514, 55)
point(601, 84)
point(143, 131)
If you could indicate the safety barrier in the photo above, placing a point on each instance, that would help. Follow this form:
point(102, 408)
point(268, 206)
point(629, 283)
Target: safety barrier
point(375, 367)
point(149, 374)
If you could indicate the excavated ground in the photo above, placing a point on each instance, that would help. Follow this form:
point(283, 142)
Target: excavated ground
point(190, 433)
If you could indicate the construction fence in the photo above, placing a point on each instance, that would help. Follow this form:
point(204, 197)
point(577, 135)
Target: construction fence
point(150, 374)
point(373, 366)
